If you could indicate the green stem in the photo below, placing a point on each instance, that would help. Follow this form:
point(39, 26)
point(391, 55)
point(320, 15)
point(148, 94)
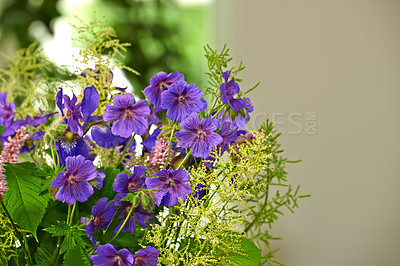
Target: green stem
point(56, 251)
point(72, 214)
point(17, 234)
point(219, 110)
point(27, 249)
point(123, 224)
point(169, 147)
point(123, 153)
point(184, 159)
point(113, 149)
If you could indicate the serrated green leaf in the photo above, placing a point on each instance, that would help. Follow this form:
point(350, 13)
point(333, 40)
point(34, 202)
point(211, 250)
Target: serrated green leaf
point(68, 242)
point(58, 230)
point(249, 255)
point(22, 198)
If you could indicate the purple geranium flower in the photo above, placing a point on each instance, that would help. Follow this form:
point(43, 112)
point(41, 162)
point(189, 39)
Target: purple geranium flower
point(146, 257)
point(199, 135)
point(244, 117)
point(128, 116)
point(102, 135)
point(171, 185)
point(125, 184)
point(71, 145)
point(139, 214)
point(6, 110)
point(228, 89)
point(181, 99)
point(107, 255)
point(159, 83)
point(38, 120)
point(102, 215)
point(73, 183)
point(73, 113)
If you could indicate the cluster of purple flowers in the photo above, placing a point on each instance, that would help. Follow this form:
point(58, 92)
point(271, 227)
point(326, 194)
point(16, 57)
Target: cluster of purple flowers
point(108, 255)
point(10, 125)
point(199, 133)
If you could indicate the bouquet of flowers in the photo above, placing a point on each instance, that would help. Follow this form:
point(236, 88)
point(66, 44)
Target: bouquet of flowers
point(90, 174)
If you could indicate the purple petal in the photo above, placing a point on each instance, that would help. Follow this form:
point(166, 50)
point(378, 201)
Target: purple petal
point(124, 101)
point(90, 102)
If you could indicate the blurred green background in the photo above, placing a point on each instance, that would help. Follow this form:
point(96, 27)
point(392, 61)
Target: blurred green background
point(166, 35)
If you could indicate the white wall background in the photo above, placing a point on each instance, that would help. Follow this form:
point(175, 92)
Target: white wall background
point(340, 60)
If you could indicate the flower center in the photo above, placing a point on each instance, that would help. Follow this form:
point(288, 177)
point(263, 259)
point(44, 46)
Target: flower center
point(98, 222)
point(181, 99)
point(132, 186)
point(128, 114)
point(169, 183)
point(72, 179)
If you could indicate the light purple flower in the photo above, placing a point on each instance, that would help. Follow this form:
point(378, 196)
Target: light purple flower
point(146, 257)
point(107, 255)
point(181, 99)
point(6, 110)
point(129, 116)
point(74, 183)
point(38, 120)
point(171, 184)
point(228, 89)
point(199, 135)
point(159, 83)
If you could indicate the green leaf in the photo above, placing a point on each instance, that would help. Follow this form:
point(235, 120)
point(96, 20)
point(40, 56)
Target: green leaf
point(22, 199)
point(75, 237)
point(1, 129)
point(76, 256)
point(58, 230)
point(45, 250)
point(68, 242)
point(249, 254)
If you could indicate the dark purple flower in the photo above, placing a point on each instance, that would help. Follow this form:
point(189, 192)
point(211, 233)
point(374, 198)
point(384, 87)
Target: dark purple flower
point(171, 185)
point(199, 135)
point(6, 110)
point(71, 145)
point(128, 116)
point(146, 257)
point(38, 135)
point(159, 83)
point(102, 215)
point(125, 184)
point(72, 111)
point(181, 99)
point(228, 89)
point(38, 120)
point(90, 102)
point(73, 183)
point(102, 135)
point(140, 215)
point(107, 255)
